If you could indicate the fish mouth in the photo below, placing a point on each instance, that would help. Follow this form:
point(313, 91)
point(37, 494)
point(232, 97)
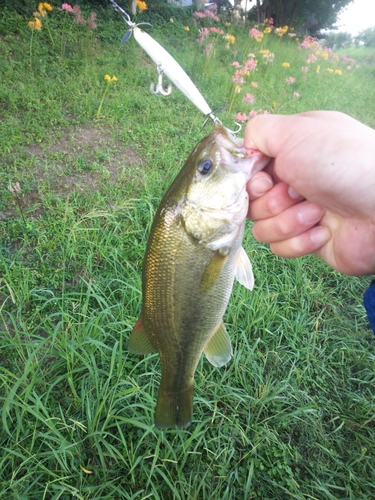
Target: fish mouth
point(235, 155)
point(225, 139)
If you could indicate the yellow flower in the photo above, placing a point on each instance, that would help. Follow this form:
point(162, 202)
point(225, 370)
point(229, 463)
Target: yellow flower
point(274, 105)
point(108, 78)
point(141, 5)
point(267, 30)
point(186, 28)
point(264, 51)
point(318, 69)
point(338, 71)
point(35, 25)
point(171, 20)
point(43, 7)
point(114, 78)
point(230, 38)
point(227, 24)
point(259, 37)
point(330, 70)
point(238, 89)
point(286, 65)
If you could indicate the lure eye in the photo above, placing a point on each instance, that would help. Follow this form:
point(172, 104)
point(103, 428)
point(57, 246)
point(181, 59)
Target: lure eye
point(205, 166)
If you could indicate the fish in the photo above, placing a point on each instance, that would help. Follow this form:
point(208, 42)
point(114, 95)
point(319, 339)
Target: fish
point(194, 252)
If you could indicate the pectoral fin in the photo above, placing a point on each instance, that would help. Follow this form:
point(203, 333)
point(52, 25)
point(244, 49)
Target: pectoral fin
point(244, 271)
point(219, 348)
point(212, 272)
point(139, 341)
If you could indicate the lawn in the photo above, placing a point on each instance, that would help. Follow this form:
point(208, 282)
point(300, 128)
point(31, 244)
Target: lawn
point(293, 414)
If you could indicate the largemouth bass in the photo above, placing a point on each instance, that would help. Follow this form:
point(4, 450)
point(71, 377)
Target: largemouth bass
point(193, 254)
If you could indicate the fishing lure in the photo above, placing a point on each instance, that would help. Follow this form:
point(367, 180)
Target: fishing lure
point(167, 65)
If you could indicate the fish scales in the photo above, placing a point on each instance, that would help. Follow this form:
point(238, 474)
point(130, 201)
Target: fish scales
point(190, 262)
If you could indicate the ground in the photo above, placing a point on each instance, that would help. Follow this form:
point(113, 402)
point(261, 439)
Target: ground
point(85, 159)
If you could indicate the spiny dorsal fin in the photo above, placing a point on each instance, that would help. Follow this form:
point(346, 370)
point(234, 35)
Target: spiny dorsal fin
point(139, 341)
point(244, 271)
point(219, 348)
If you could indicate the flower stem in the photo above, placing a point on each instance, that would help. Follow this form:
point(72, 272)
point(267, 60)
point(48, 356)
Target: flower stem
point(101, 102)
point(31, 49)
point(49, 32)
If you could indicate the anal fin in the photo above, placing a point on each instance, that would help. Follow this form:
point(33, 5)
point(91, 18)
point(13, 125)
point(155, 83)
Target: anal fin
point(219, 348)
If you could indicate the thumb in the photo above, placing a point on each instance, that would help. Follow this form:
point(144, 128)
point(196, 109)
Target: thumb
point(268, 133)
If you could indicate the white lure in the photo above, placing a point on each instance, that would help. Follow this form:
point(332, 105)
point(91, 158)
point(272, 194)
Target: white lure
point(169, 66)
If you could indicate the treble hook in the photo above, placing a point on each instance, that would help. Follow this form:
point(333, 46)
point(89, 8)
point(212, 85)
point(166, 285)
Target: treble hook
point(159, 87)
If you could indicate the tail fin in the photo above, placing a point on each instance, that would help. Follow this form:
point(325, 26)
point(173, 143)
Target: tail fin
point(174, 409)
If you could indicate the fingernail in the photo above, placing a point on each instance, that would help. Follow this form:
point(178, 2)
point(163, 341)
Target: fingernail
point(260, 185)
point(293, 193)
point(310, 214)
point(319, 235)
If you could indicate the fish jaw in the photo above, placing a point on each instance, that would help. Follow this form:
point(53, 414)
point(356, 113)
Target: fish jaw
point(216, 205)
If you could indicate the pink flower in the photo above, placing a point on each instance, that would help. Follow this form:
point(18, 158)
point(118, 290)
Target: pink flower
point(237, 79)
point(203, 32)
point(67, 7)
point(254, 33)
point(309, 42)
point(208, 49)
point(249, 98)
point(236, 64)
point(254, 84)
point(305, 69)
point(241, 117)
point(252, 113)
point(290, 80)
point(312, 58)
point(270, 20)
point(210, 14)
point(78, 19)
point(296, 94)
point(201, 15)
point(91, 22)
point(250, 65)
point(212, 7)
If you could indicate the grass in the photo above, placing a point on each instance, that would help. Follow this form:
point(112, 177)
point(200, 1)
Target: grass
point(293, 414)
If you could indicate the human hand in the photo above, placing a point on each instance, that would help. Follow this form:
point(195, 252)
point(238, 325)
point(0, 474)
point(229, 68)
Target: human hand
point(317, 194)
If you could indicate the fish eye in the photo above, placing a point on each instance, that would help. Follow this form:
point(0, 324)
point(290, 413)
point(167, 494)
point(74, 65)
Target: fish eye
point(205, 166)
